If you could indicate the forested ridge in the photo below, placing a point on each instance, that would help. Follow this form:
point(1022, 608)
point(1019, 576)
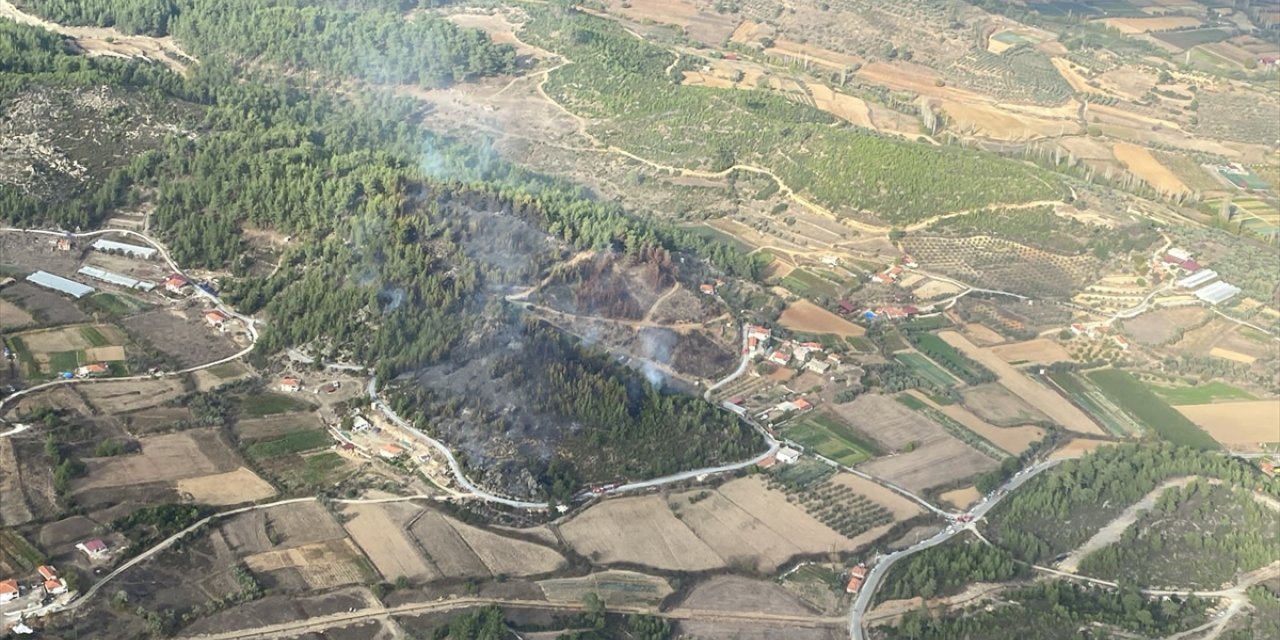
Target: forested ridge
point(1056, 610)
point(947, 569)
point(369, 39)
point(1061, 509)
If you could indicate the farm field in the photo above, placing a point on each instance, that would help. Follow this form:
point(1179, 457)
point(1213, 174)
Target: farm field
point(284, 526)
point(164, 458)
point(1077, 447)
point(1136, 399)
point(962, 498)
point(267, 404)
point(14, 317)
point(1139, 161)
point(382, 538)
point(710, 529)
point(613, 587)
point(113, 398)
point(182, 336)
point(47, 352)
point(221, 489)
point(1206, 393)
point(1144, 25)
point(805, 283)
point(1163, 325)
point(828, 436)
point(1188, 39)
point(995, 404)
point(276, 426)
point(1086, 394)
point(1037, 395)
point(982, 335)
point(493, 553)
point(932, 464)
point(1237, 425)
point(808, 317)
point(926, 368)
point(1038, 351)
point(50, 308)
point(1013, 440)
point(320, 565)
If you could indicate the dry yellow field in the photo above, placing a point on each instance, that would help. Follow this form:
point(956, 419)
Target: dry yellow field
point(1141, 163)
point(641, 530)
point(806, 316)
point(323, 565)
point(849, 108)
point(507, 556)
point(1014, 440)
point(1234, 356)
point(1237, 423)
point(1038, 351)
point(163, 458)
point(1146, 25)
point(741, 521)
point(384, 541)
point(13, 317)
point(1034, 393)
point(104, 354)
point(961, 498)
point(993, 122)
point(1073, 77)
point(232, 487)
point(935, 289)
point(982, 334)
point(613, 587)
point(1076, 448)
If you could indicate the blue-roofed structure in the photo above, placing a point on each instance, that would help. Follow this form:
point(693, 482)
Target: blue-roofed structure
point(60, 284)
point(131, 250)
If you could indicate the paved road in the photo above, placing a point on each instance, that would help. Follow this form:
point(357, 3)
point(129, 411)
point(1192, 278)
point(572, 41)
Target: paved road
point(248, 322)
point(737, 373)
point(863, 601)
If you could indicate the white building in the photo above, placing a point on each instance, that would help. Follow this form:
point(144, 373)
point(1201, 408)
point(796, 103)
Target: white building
point(787, 455)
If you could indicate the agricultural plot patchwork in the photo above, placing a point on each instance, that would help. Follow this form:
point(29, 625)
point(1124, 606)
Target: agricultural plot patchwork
point(838, 165)
point(995, 263)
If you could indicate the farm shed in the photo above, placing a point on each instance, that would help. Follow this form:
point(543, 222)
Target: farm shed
point(116, 279)
point(787, 455)
point(131, 250)
point(95, 548)
point(60, 284)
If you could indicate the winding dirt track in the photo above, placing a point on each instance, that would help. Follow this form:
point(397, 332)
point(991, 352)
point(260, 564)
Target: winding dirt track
point(99, 41)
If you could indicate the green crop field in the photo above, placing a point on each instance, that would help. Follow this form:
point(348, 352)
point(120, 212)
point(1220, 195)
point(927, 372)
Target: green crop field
point(94, 337)
point(1201, 394)
point(806, 284)
point(926, 369)
point(622, 84)
point(293, 442)
point(955, 362)
point(265, 404)
point(1192, 38)
point(829, 437)
point(115, 305)
point(1136, 399)
point(1095, 403)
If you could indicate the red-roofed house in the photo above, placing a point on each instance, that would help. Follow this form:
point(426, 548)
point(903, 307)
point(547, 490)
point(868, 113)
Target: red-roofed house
point(215, 318)
point(55, 587)
point(290, 385)
point(47, 572)
point(803, 405)
point(709, 289)
point(780, 358)
point(856, 576)
point(768, 461)
point(176, 283)
point(844, 307)
point(1190, 266)
point(8, 590)
point(95, 548)
point(390, 451)
point(92, 370)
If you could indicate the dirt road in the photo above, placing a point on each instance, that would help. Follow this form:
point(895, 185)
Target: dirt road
point(321, 623)
point(1111, 533)
point(98, 41)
